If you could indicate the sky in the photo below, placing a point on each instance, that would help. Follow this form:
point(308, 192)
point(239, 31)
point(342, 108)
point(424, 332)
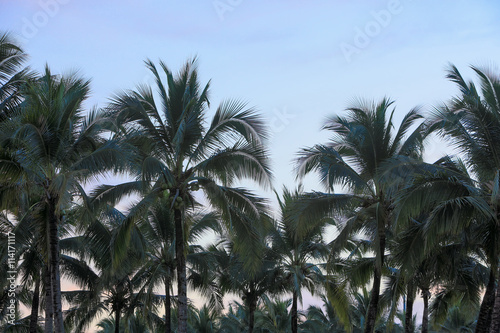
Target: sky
point(297, 62)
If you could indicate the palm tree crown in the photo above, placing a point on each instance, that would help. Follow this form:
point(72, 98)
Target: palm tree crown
point(176, 155)
point(358, 158)
point(50, 150)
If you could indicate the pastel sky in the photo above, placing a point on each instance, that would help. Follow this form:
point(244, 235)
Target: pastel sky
point(296, 61)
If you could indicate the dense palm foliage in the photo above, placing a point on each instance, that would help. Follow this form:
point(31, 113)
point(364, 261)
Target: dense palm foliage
point(407, 231)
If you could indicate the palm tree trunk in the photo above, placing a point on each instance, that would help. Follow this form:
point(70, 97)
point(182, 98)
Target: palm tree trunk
point(485, 312)
point(294, 312)
point(495, 317)
point(252, 306)
point(371, 316)
point(49, 314)
point(34, 307)
point(410, 298)
point(118, 310)
point(54, 267)
point(181, 273)
point(425, 315)
point(168, 321)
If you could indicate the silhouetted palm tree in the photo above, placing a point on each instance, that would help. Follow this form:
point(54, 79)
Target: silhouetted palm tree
point(177, 154)
point(357, 158)
point(471, 123)
point(52, 148)
point(104, 288)
point(250, 286)
point(299, 252)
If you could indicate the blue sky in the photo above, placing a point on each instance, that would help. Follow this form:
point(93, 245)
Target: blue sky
point(296, 61)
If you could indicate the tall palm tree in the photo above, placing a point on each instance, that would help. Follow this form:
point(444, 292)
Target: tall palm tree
point(52, 147)
point(359, 154)
point(471, 123)
point(12, 78)
point(299, 253)
point(177, 154)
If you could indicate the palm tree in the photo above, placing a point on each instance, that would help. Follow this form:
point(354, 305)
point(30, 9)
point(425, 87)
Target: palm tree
point(322, 321)
point(269, 316)
point(150, 263)
point(235, 320)
point(158, 231)
point(12, 76)
point(104, 288)
point(357, 158)
point(133, 324)
point(458, 321)
point(206, 320)
point(158, 269)
point(51, 149)
point(176, 154)
point(192, 318)
point(250, 286)
point(359, 311)
point(30, 247)
point(274, 316)
point(471, 123)
point(299, 252)
point(451, 265)
point(13, 252)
